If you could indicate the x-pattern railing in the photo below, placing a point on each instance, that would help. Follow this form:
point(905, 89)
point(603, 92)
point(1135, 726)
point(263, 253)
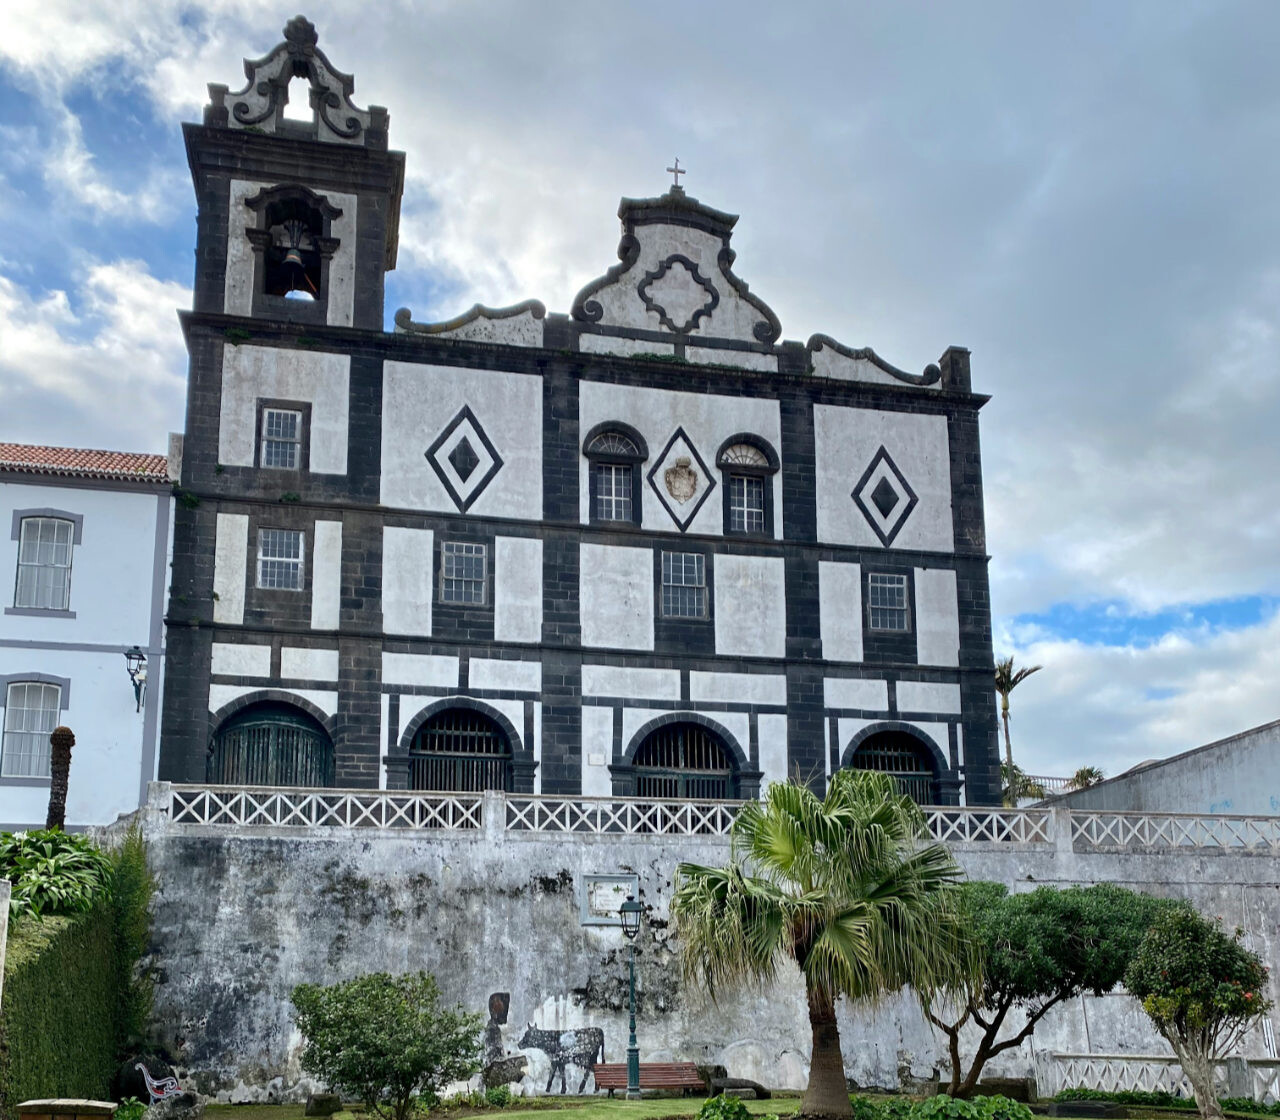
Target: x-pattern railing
point(622, 816)
point(1150, 1072)
point(300, 808)
point(1001, 826)
point(1093, 829)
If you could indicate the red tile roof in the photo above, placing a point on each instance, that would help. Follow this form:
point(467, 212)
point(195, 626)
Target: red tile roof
point(76, 462)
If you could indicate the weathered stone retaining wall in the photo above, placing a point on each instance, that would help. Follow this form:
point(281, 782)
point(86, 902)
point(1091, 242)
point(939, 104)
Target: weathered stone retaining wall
point(242, 915)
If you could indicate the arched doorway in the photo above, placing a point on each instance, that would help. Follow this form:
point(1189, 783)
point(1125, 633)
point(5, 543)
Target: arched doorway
point(902, 756)
point(685, 760)
point(271, 744)
point(460, 750)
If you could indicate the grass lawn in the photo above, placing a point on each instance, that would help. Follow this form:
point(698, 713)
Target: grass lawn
point(581, 1108)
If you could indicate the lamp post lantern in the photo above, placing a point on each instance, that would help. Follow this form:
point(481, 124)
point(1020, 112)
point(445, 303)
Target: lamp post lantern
point(135, 662)
point(630, 912)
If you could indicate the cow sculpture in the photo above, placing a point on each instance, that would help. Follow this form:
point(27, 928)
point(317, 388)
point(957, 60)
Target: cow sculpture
point(582, 1047)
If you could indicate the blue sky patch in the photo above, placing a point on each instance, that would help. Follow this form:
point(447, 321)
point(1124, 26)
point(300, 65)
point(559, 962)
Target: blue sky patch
point(1114, 623)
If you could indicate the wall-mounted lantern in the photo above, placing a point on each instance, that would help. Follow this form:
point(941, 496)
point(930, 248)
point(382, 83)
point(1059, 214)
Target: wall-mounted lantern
point(136, 665)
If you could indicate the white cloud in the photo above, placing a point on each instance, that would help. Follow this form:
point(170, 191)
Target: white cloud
point(108, 369)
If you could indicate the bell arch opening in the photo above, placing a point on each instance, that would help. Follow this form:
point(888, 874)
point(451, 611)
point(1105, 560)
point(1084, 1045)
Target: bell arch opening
point(271, 744)
point(460, 750)
point(903, 757)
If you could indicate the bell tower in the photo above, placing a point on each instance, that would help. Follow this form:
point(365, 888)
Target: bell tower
point(298, 218)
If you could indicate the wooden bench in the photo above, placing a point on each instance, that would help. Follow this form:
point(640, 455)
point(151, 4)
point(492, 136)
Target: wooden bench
point(653, 1075)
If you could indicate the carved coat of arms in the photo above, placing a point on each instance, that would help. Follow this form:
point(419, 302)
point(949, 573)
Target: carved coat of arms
point(681, 480)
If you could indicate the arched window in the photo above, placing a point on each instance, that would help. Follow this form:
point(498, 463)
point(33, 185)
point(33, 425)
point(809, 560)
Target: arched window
point(748, 464)
point(292, 242)
point(902, 756)
point(271, 744)
point(684, 760)
point(460, 750)
point(615, 452)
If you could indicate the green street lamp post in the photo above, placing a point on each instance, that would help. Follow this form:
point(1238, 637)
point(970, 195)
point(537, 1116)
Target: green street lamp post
point(630, 912)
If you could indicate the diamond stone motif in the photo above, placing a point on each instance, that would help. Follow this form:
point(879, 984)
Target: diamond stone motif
point(885, 497)
point(678, 293)
point(464, 459)
point(681, 479)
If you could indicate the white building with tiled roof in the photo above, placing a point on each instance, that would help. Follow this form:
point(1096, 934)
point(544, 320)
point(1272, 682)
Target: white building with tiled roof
point(82, 580)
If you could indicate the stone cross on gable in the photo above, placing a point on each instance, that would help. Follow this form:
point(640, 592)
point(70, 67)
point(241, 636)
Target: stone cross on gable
point(677, 171)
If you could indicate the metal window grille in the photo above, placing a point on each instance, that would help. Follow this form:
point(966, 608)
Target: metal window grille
point(30, 714)
point(460, 750)
point(613, 491)
point(281, 439)
point(899, 756)
point(463, 572)
point(44, 564)
point(280, 559)
point(271, 745)
point(887, 602)
point(684, 760)
point(613, 443)
point(746, 503)
point(684, 585)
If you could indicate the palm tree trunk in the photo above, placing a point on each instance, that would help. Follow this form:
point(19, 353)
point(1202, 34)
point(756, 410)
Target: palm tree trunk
point(61, 741)
point(1008, 746)
point(828, 1091)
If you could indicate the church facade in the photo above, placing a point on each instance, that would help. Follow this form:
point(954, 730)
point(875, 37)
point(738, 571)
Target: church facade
point(645, 547)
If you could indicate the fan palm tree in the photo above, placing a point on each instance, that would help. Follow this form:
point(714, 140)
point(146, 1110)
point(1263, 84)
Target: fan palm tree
point(852, 888)
point(1007, 679)
point(1085, 777)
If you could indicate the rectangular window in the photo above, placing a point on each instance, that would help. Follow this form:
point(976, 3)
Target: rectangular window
point(44, 564)
point(463, 572)
point(613, 491)
point(281, 439)
point(280, 559)
point(746, 503)
point(887, 602)
point(684, 585)
point(30, 714)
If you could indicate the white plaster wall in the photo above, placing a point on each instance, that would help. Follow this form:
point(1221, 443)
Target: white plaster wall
point(597, 750)
point(524, 329)
point(504, 676)
point(250, 373)
point(938, 733)
point(739, 688)
point(847, 729)
point(301, 664)
point(846, 442)
point(111, 567)
point(221, 695)
point(771, 731)
point(517, 589)
point(616, 596)
point(928, 696)
point(708, 419)
point(234, 659)
point(406, 581)
point(419, 401)
point(858, 695)
point(627, 347)
point(828, 362)
point(230, 567)
point(238, 281)
point(106, 764)
point(425, 670)
point(630, 683)
point(326, 575)
point(937, 617)
point(743, 359)
point(840, 610)
point(750, 610)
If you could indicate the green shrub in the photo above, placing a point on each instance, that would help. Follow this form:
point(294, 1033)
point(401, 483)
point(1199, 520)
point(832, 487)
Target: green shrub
point(723, 1108)
point(386, 1039)
point(864, 1109)
point(943, 1107)
point(130, 1109)
point(52, 872)
point(498, 1096)
point(1248, 1104)
point(131, 889)
point(1160, 1098)
point(1002, 1108)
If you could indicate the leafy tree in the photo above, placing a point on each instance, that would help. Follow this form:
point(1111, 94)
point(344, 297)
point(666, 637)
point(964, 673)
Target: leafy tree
point(1017, 785)
point(1085, 777)
point(386, 1039)
point(1201, 989)
point(1007, 679)
point(1037, 950)
point(850, 887)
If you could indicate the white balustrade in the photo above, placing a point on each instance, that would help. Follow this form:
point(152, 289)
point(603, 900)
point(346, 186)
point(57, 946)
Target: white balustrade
point(1115, 1073)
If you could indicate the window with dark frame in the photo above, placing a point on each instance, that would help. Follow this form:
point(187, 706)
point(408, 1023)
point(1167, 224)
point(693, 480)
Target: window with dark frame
point(613, 491)
point(280, 559)
point(463, 572)
point(45, 547)
point(281, 439)
point(684, 585)
point(887, 602)
point(748, 485)
point(31, 713)
point(614, 455)
point(746, 504)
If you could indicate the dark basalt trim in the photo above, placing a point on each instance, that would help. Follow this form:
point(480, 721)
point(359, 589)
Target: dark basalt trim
point(932, 374)
point(587, 310)
point(771, 329)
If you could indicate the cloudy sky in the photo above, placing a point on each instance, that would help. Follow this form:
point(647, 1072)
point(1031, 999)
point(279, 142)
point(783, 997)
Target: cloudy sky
point(1083, 194)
